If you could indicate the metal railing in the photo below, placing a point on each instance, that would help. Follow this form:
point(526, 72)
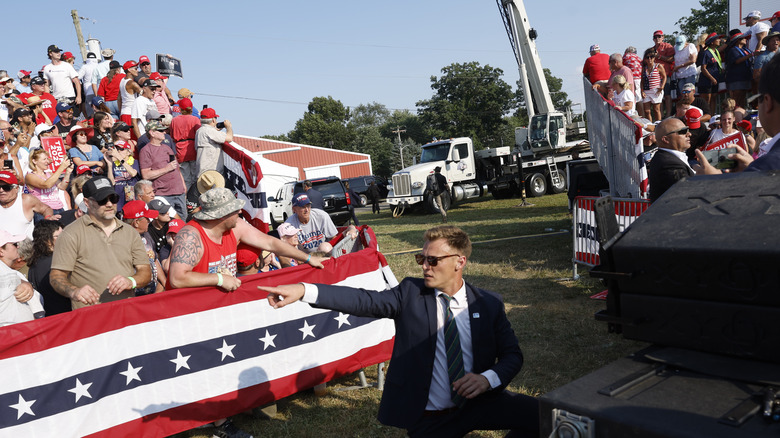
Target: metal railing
point(616, 142)
point(586, 244)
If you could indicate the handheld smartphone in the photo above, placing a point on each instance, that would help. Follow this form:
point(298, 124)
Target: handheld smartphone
point(8, 164)
point(719, 159)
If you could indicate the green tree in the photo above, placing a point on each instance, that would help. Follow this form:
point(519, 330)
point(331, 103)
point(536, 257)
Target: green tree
point(469, 100)
point(280, 137)
point(369, 140)
point(326, 124)
point(712, 17)
point(560, 99)
point(369, 114)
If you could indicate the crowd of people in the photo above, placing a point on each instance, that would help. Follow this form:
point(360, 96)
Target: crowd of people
point(111, 189)
point(708, 93)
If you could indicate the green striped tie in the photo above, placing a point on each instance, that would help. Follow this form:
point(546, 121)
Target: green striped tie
point(454, 353)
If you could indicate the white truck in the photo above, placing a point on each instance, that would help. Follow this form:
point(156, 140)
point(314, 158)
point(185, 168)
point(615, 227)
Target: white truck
point(531, 166)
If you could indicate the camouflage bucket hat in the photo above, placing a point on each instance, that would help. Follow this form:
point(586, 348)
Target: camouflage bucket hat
point(218, 203)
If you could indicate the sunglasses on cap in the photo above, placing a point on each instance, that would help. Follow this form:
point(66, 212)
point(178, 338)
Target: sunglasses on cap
point(7, 187)
point(432, 261)
point(114, 198)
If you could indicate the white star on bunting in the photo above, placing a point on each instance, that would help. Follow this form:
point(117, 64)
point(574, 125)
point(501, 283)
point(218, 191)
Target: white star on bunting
point(268, 339)
point(180, 361)
point(131, 373)
point(307, 329)
point(226, 350)
point(23, 407)
point(81, 390)
point(343, 318)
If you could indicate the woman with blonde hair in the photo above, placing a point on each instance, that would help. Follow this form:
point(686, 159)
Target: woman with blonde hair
point(621, 94)
point(44, 184)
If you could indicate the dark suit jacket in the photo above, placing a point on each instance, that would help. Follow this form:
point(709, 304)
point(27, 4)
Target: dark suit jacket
point(413, 307)
point(665, 169)
point(315, 197)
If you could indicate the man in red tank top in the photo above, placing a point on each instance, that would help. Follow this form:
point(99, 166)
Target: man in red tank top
point(204, 254)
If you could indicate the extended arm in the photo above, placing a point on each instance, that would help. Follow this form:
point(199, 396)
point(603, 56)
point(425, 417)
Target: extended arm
point(254, 237)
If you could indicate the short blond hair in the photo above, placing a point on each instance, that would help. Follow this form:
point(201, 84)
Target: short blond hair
point(456, 238)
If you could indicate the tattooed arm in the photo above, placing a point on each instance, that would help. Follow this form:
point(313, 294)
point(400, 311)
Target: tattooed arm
point(185, 255)
point(85, 294)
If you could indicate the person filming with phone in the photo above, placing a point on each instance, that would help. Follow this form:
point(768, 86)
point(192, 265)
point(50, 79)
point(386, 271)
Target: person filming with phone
point(209, 140)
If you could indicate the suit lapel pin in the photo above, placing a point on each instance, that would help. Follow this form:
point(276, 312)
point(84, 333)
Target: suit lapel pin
point(475, 315)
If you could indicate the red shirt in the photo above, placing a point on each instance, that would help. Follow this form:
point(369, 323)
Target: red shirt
point(49, 106)
point(665, 50)
point(597, 68)
point(217, 258)
point(183, 129)
point(110, 90)
point(634, 62)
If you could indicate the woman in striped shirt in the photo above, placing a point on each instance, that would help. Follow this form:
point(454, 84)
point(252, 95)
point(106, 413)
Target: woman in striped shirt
point(653, 81)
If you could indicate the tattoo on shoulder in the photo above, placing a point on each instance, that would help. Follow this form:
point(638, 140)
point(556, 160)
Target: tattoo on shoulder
point(187, 248)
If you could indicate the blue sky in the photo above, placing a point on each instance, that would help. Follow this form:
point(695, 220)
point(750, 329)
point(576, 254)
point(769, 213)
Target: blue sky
point(272, 58)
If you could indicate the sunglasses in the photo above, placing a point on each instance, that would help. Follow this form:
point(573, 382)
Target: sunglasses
point(686, 91)
point(681, 131)
point(432, 261)
point(655, 37)
point(114, 198)
point(7, 187)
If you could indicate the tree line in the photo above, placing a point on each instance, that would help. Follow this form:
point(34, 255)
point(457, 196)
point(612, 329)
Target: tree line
point(469, 100)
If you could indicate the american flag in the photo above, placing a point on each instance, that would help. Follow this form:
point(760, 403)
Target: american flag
point(161, 364)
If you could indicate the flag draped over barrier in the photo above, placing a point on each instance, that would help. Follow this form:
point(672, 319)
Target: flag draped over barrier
point(160, 364)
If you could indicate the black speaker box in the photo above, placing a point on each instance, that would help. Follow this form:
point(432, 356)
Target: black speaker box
point(701, 267)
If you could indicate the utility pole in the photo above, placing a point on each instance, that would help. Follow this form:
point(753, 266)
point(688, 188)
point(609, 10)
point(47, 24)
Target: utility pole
point(77, 24)
point(398, 132)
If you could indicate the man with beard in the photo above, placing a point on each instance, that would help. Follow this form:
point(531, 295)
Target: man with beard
point(98, 258)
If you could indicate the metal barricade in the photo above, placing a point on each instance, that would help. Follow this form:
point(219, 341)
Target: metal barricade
point(616, 142)
point(586, 245)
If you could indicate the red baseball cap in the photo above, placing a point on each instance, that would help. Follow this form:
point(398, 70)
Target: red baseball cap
point(23, 73)
point(175, 225)
point(185, 103)
point(129, 64)
point(156, 75)
point(67, 55)
point(143, 59)
point(8, 177)
point(208, 113)
point(138, 209)
point(82, 169)
point(775, 16)
point(693, 118)
point(745, 124)
point(246, 255)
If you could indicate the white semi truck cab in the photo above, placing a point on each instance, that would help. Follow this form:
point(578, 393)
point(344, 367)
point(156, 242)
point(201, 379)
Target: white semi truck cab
point(455, 156)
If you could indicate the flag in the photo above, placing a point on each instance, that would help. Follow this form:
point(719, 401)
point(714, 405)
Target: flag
point(160, 364)
point(243, 176)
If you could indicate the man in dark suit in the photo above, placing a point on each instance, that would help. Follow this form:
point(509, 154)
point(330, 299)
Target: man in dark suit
point(669, 164)
point(454, 353)
point(315, 197)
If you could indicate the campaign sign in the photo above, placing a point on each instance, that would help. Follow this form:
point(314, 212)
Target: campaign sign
point(56, 150)
point(168, 65)
point(735, 139)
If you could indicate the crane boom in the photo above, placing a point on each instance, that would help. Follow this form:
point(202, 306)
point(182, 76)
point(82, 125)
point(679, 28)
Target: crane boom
point(521, 37)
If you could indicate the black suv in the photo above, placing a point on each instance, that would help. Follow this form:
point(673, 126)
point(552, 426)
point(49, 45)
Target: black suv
point(360, 185)
point(334, 197)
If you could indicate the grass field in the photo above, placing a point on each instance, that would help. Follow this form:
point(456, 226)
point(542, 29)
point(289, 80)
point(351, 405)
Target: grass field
point(550, 313)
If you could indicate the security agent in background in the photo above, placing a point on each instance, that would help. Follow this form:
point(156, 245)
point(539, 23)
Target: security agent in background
point(454, 353)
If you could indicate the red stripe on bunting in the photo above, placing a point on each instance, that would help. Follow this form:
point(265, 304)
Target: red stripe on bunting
point(192, 415)
point(41, 334)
